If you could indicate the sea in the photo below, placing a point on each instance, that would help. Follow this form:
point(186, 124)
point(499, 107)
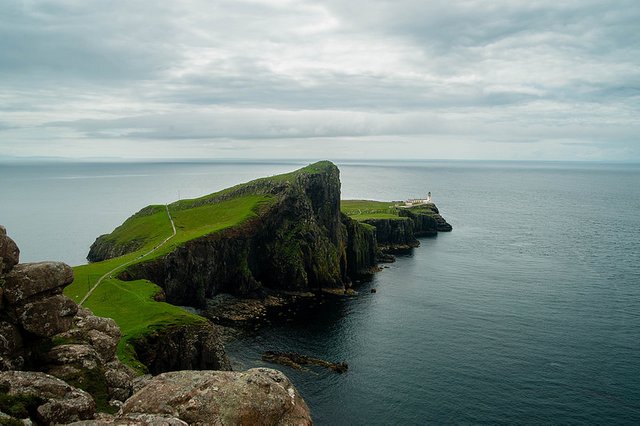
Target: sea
point(527, 313)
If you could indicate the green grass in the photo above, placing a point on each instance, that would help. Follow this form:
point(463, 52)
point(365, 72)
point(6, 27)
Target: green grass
point(131, 304)
point(367, 209)
point(144, 229)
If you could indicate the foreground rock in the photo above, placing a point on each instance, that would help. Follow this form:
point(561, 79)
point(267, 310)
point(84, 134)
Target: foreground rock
point(51, 400)
point(259, 396)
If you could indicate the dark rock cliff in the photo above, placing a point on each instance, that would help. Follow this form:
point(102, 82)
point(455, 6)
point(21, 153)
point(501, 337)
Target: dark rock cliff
point(186, 347)
point(399, 234)
point(394, 234)
point(300, 242)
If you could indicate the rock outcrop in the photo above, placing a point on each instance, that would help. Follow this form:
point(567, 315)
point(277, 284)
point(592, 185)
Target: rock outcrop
point(43, 331)
point(50, 401)
point(260, 396)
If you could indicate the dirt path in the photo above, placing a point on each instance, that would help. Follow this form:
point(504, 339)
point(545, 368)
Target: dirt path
point(108, 274)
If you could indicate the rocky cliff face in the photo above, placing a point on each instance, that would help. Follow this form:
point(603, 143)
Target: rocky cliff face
point(190, 347)
point(394, 234)
point(401, 234)
point(301, 242)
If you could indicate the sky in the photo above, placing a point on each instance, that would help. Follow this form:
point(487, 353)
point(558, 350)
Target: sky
point(293, 79)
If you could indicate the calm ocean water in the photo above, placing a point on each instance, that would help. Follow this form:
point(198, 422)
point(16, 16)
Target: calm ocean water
point(528, 312)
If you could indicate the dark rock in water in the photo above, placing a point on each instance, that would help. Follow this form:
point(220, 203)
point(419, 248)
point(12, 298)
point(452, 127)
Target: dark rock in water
point(29, 279)
point(386, 257)
point(373, 290)
point(296, 360)
point(59, 403)
point(185, 347)
point(259, 396)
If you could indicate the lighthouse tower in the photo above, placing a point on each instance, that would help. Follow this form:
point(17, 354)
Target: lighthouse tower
point(429, 197)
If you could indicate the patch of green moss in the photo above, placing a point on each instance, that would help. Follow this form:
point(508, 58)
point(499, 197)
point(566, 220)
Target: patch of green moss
point(93, 382)
point(18, 406)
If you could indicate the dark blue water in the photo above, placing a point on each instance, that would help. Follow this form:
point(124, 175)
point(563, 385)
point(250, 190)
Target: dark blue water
point(528, 312)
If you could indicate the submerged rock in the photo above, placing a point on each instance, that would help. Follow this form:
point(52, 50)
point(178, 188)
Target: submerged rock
point(296, 360)
point(259, 396)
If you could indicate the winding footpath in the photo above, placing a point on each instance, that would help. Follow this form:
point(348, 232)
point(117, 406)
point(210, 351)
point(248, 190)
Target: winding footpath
point(108, 274)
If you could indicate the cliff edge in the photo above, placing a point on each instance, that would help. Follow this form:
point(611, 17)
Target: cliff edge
point(295, 239)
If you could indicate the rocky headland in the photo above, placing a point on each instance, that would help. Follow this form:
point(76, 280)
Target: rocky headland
point(235, 257)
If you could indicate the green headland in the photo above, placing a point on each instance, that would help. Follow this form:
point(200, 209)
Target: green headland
point(289, 232)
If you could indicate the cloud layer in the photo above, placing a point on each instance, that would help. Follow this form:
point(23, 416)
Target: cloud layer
point(281, 78)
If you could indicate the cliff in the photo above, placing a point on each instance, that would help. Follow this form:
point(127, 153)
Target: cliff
point(295, 240)
point(397, 228)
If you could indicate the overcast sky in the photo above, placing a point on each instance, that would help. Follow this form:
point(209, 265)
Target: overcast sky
point(468, 79)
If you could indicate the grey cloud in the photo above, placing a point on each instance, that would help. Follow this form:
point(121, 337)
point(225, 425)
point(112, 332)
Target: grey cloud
point(139, 71)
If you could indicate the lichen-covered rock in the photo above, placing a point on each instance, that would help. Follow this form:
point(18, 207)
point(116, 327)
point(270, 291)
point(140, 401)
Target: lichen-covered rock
point(10, 347)
point(102, 334)
point(9, 252)
point(119, 379)
point(29, 279)
point(47, 317)
point(83, 356)
point(133, 419)
point(185, 347)
point(259, 396)
point(61, 403)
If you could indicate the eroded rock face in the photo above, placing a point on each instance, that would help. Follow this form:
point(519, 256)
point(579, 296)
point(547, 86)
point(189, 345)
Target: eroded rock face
point(259, 396)
point(394, 234)
point(188, 347)
point(61, 403)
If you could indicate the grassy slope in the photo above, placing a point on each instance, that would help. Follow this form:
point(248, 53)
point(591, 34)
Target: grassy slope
point(367, 209)
point(131, 304)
